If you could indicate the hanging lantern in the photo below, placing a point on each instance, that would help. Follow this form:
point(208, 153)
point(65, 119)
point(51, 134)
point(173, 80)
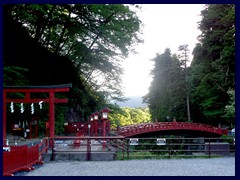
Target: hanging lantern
point(22, 108)
point(40, 104)
point(11, 107)
point(32, 108)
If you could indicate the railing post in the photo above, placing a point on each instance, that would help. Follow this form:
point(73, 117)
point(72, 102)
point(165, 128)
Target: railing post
point(128, 149)
point(169, 150)
point(46, 143)
point(88, 150)
point(209, 148)
point(123, 148)
point(52, 145)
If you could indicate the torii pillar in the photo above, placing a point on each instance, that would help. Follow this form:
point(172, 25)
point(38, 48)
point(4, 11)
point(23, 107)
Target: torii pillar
point(34, 89)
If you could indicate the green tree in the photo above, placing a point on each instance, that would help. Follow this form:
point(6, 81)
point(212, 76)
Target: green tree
point(184, 58)
point(167, 91)
point(213, 65)
point(127, 116)
point(96, 37)
point(230, 107)
point(14, 76)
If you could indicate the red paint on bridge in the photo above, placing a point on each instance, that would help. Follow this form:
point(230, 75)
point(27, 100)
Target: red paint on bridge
point(137, 129)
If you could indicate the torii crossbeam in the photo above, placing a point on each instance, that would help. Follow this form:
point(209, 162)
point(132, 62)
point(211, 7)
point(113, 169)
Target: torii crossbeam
point(27, 90)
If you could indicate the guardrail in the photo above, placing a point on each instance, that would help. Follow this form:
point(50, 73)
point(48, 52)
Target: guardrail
point(86, 148)
point(131, 148)
point(22, 158)
point(179, 147)
point(92, 148)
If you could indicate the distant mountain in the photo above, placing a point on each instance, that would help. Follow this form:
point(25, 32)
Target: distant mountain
point(133, 102)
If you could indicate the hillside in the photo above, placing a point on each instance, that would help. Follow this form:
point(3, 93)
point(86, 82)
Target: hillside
point(133, 102)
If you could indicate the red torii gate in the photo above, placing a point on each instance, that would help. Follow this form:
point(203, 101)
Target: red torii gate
point(34, 89)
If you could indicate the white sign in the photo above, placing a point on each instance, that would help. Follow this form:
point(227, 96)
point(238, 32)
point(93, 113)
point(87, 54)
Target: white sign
point(6, 149)
point(133, 142)
point(161, 141)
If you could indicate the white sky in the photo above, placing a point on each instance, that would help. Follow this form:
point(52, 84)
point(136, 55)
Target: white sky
point(165, 26)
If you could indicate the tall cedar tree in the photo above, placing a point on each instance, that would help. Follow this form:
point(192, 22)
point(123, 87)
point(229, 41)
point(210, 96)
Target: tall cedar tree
point(213, 66)
point(167, 92)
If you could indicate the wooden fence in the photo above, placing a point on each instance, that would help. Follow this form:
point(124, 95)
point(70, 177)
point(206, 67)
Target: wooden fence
point(22, 158)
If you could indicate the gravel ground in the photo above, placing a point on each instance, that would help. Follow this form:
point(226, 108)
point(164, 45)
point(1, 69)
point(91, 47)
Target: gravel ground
point(164, 167)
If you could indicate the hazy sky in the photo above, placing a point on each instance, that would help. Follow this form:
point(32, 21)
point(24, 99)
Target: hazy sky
point(165, 26)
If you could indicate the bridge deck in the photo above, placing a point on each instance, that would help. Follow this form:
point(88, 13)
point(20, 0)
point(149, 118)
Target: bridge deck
point(137, 129)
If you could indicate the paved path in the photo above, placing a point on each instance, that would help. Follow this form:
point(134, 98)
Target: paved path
point(164, 167)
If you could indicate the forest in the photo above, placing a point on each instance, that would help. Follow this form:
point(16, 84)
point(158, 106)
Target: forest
point(84, 44)
point(208, 85)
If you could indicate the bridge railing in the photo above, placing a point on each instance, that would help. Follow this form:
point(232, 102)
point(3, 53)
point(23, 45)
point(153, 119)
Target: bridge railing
point(148, 127)
point(179, 147)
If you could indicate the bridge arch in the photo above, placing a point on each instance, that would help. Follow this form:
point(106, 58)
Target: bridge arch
point(174, 127)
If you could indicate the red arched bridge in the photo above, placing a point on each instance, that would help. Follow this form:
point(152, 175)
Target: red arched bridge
point(143, 128)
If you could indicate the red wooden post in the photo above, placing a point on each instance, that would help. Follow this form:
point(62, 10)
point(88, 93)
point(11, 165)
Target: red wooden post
point(51, 114)
point(47, 128)
point(104, 127)
point(92, 128)
point(104, 133)
point(96, 127)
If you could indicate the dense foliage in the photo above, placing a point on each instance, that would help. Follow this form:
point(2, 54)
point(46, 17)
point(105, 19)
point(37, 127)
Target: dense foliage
point(82, 44)
point(209, 81)
point(93, 37)
point(213, 65)
point(127, 116)
point(167, 94)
